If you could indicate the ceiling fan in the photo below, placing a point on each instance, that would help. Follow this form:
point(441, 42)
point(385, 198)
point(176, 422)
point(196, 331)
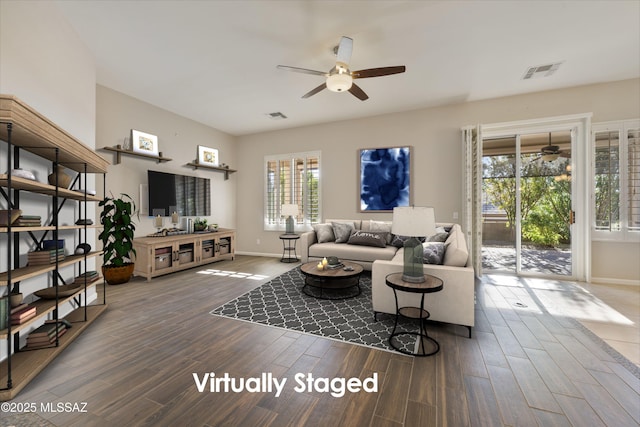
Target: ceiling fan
point(549, 152)
point(340, 78)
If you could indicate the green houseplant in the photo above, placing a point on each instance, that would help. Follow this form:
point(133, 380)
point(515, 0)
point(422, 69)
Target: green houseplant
point(199, 224)
point(117, 238)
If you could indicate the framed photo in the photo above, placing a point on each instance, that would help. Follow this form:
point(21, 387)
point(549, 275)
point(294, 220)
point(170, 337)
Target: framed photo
point(207, 156)
point(385, 178)
point(144, 142)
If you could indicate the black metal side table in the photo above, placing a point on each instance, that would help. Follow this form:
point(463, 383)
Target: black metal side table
point(431, 284)
point(289, 247)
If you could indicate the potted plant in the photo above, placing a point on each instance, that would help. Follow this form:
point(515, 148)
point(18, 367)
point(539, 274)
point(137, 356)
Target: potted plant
point(199, 224)
point(117, 238)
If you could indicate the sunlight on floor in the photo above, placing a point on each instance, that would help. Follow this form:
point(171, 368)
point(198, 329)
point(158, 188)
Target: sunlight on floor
point(236, 274)
point(559, 298)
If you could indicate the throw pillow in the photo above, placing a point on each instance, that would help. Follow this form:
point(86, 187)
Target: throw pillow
point(398, 241)
point(432, 252)
point(324, 233)
point(381, 226)
point(342, 231)
point(438, 237)
point(368, 238)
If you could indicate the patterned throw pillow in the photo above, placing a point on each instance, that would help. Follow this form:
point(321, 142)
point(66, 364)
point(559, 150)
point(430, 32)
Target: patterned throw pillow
point(432, 252)
point(324, 233)
point(438, 237)
point(368, 238)
point(381, 226)
point(398, 241)
point(342, 231)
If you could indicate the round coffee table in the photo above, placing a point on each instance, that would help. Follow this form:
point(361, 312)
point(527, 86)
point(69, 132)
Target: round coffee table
point(431, 284)
point(330, 283)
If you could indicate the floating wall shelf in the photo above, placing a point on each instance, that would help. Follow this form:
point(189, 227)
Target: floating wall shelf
point(225, 170)
point(119, 151)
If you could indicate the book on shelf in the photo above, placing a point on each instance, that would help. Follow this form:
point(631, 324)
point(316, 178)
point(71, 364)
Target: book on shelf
point(23, 315)
point(46, 330)
point(28, 221)
point(44, 341)
point(89, 276)
point(44, 257)
point(19, 307)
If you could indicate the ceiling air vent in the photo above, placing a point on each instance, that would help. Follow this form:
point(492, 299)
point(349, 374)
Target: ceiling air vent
point(541, 71)
point(277, 116)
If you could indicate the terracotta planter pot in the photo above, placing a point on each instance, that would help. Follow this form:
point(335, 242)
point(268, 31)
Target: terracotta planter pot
point(117, 275)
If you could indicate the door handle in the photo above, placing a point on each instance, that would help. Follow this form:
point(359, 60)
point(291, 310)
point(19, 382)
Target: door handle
point(572, 217)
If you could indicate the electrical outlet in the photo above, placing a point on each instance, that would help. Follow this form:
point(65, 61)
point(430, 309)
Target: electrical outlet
point(257, 241)
point(455, 215)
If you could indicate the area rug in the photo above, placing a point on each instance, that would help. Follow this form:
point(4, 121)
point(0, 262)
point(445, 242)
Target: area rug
point(281, 303)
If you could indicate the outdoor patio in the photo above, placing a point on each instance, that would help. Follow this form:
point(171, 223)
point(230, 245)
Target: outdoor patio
point(544, 261)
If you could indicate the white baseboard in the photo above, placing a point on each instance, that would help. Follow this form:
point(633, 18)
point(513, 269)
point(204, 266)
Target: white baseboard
point(258, 254)
point(608, 281)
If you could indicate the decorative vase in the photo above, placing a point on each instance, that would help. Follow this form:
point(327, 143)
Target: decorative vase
point(15, 299)
point(63, 179)
point(117, 275)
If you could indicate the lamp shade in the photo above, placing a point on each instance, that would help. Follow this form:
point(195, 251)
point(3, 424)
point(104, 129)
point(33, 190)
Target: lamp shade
point(414, 221)
point(289, 210)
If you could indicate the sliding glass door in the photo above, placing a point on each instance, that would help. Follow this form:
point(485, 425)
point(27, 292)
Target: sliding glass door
point(527, 203)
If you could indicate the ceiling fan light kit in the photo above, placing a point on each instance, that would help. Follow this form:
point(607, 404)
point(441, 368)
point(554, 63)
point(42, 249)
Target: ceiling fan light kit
point(339, 82)
point(340, 78)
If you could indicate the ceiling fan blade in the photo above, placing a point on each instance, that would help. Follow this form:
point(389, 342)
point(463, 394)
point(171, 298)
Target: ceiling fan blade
point(358, 93)
point(378, 72)
point(344, 50)
point(314, 91)
point(302, 70)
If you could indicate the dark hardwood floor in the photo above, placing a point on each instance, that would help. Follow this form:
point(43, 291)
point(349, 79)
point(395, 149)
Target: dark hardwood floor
point(134, 366)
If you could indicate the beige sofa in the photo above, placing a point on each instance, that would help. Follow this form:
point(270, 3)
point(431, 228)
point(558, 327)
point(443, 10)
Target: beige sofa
point(454, 304)
point(313, 250)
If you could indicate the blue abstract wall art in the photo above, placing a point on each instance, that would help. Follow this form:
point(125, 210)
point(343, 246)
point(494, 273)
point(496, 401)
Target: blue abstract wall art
point(385, 175)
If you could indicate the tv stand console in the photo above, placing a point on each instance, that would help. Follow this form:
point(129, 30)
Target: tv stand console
point(156, 256)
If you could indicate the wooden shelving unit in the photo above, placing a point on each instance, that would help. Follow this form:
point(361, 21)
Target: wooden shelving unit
point(120, 151)
point(226, 170)
point(27, 364)
point(23, 128)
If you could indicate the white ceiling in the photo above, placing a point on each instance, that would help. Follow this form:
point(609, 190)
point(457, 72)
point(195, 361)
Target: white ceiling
point(215, 61)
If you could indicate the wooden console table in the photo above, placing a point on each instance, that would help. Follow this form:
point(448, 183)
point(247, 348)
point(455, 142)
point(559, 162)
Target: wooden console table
point(156, 256)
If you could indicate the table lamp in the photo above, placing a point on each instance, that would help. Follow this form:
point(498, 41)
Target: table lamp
point(413, 222)
point(289, 210)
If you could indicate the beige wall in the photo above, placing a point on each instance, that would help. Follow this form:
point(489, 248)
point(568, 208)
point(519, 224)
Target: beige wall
point(178, 139)
point(434, 134)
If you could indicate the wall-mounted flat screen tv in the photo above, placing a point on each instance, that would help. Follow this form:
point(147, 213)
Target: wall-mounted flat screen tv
point(186, 195)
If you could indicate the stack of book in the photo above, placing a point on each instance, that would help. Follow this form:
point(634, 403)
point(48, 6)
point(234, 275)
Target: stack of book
point(22, 313)
point(28, 221)
point(45, 257)
point(45, 335)
point(91, 276)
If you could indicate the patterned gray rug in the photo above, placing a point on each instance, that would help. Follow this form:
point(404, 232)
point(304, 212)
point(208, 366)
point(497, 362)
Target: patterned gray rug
point(281, 303)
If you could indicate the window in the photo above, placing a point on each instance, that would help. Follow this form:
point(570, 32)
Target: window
point(616, 186)
point(292, 179)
